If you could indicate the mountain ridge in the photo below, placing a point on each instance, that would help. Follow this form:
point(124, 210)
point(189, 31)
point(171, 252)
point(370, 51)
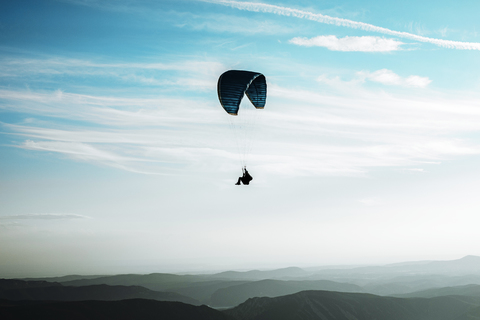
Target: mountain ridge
point(327, 305)
point(15, 290)
point(107, 310)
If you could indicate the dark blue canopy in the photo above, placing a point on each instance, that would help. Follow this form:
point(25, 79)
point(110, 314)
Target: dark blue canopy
point(233, 84)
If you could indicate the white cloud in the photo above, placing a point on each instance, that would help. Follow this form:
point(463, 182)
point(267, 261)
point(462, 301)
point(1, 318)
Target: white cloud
point(417, 81)
point(389, 77)
point(383, 76)
point(363, 44)
point(284, 11)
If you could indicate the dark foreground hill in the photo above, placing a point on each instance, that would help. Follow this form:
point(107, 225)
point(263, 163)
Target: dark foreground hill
point(236, 294)
point(39, 290)
point(305, 305)
point(473, 314)
point(6, 284)
point(326, 305)
point(107, 310)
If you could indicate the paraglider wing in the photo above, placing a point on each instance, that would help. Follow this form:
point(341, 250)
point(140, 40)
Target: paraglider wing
point(233, 84)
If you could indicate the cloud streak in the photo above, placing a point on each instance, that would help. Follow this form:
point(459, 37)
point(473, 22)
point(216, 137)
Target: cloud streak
point(285, 11)
point(44, 216)
point(86, 152)
point(370, 131)
point(197, 75)
point(153, 134)
point(362, 44)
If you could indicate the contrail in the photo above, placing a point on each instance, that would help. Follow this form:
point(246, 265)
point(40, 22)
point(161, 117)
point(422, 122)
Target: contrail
point(284, 11)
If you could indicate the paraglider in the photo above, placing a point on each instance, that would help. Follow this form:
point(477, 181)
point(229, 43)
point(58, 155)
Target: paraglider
point(232, 86)
point(245, 178)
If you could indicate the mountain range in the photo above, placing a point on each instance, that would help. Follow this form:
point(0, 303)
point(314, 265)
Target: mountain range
point(424, 290)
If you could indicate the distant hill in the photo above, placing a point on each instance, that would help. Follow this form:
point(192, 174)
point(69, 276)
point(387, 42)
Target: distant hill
point(202, 291)
point(15, 290)
point(107, 310)
point(234, 295)
point(416, 282)
point(468, 265)
point(65, 278)
point(261, 275)
point(468, 290)
point(465, 265)
point(326, 305)
point(153, 281)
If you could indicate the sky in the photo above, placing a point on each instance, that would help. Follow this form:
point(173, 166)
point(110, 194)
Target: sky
point(117, 157)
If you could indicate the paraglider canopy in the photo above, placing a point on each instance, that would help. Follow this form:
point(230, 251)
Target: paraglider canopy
point(233, 84)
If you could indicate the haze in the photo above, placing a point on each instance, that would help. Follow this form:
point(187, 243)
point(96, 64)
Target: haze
point(116, 156)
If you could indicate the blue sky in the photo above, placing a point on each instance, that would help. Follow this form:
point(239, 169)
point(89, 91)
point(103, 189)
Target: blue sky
point(116, 155)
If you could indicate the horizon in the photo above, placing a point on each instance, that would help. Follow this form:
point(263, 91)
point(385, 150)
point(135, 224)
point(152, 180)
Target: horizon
point(116, 154)
point(319, 268)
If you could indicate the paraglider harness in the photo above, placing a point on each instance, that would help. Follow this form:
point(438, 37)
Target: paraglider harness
point(245, 179)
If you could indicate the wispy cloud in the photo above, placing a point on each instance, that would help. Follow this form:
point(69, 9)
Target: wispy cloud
point(369, 131)
point(161, 134)
point(415, 170)
point(90, 153)
point(77, 150)
point(233, 24)
point(63, 65)
point(389, 77)
point(363, 44)
point(188, 74)
point(105, 110)
point(217, 22)
point(44, 216)
point(144, 149)
point(285, 11)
